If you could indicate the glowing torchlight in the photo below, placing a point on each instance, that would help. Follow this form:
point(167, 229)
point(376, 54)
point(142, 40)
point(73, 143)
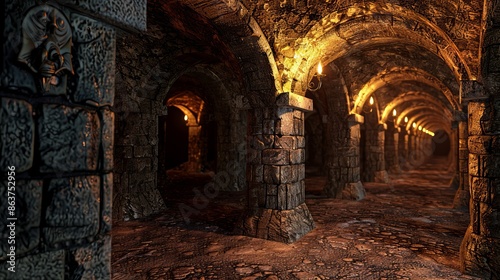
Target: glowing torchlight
point(419, 127)
point(320, 69)
point(394, 112)
point(371, 100)
point(185, 117)
point(414, 125)
point(406, 119)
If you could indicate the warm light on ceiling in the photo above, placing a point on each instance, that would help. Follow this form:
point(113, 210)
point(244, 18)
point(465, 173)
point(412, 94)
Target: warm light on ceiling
point(419, 127)
point(320, 69)
point(406, 119)
point(371, 100)
point(394, 112)
point(185, 117)
point(414, 125)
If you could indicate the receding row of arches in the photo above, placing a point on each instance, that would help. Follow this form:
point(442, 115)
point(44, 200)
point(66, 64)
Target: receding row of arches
point(239, 106)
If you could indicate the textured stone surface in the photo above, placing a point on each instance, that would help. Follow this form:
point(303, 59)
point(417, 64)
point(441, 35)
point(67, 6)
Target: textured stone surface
point(106, 202)
point(94, 80)
point(17, 134)
point(28, 205)
point(92, 261)
point(296, 101)
point(478, 255)
point(107, 119)
point(127, 13)
point(74, 209)
point(49, 265)
point(284, 226)
point(354, 191)
point(13, 74)
point(69, 139)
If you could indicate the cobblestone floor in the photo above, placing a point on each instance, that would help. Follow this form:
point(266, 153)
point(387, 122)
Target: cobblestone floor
point(403, 230)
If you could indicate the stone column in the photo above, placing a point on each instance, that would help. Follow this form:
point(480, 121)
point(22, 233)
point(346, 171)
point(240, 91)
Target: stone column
point(462, 195)
point(381, 175)
point(411, 149)
point(343, 164)
point(392, 149)
point(403, 148)
point(194, 149)
point(374, 170)
point(276, 172)
point(480, 249)
point(57, 126)
point(453, 156)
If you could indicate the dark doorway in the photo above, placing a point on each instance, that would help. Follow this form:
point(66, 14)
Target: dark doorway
point(441, 143)
point(175, 138)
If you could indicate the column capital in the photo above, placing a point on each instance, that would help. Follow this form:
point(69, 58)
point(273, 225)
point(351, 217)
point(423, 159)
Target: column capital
point(355, 119)
point(295, 101)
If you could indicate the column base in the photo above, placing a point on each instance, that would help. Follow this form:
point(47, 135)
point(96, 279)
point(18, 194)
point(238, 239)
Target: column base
point(354, 191)
point(382, 177)
point(461, 200)
point(480, 256)
point(285, 226)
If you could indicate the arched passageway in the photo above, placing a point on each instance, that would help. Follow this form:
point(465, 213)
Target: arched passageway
point(406, 107)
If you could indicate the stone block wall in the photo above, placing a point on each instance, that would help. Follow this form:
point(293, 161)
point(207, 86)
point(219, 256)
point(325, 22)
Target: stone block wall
point(58, 134)
point(480, 249)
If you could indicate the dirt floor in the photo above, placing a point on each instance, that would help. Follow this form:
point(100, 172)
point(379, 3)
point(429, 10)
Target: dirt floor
point(403, 230)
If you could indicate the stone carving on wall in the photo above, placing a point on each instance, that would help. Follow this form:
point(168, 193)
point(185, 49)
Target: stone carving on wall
point(46, 47)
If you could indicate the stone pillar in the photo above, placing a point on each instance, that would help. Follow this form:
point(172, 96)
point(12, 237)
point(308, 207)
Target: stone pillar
point(276, 172)
point(419, 155)
point(403, 148)
point(411, 149)
point(57, 126)
point(453, 156)
point(343, 164)
point(374, 164)
point(480, 249)
point(462, 195)
point(381, 175)
point(194, 149)
point(392, 149)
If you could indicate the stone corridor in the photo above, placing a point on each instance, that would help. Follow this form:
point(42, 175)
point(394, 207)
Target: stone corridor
point(268, 139)
point(404, 230)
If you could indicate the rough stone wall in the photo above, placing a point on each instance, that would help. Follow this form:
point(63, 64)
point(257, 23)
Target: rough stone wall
point(181, 51)
point(480, 250)
point(59, 137)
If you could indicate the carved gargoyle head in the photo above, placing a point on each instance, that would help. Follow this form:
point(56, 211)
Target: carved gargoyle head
point(46, 48)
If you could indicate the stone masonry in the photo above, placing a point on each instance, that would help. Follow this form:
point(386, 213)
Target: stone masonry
point(276, 173)
point(57, 131)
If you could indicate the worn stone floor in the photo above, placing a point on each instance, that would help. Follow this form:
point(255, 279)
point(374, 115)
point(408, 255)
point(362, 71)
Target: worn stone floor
point(403, 230)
